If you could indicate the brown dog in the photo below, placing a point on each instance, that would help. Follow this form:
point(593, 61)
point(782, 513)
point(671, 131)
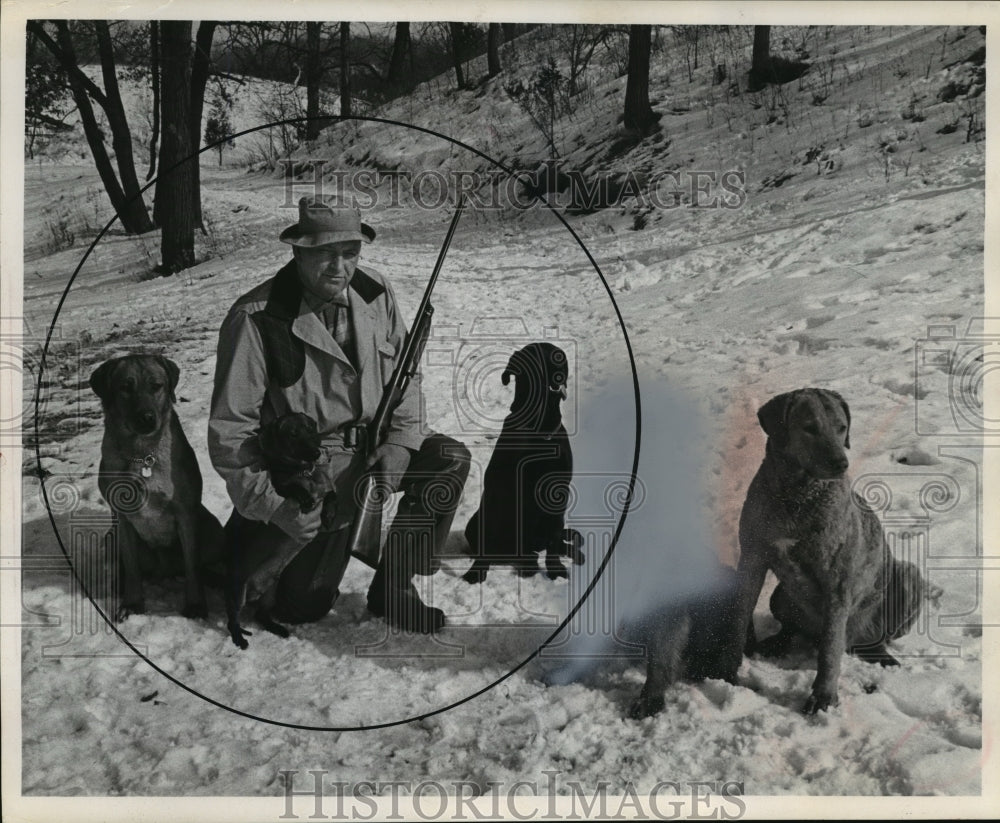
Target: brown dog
point(839, 584)
point(150, 478)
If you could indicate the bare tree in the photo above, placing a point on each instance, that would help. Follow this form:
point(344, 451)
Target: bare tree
point(154, 67)
point(314, 68)
point(456, 52)
point(760, 62)
point(494, 38)
point(201, 62)
point(345, 70)
point(579, 43)
point(177, 180)
point(639, 115)
point(401, 47)
point(123, 187)
point(46, 95)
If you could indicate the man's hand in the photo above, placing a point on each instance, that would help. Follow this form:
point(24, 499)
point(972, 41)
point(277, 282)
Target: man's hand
point(390, 461)
point(300, 526)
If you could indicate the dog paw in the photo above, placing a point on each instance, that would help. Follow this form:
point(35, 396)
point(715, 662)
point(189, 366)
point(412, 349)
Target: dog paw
point(269, 624)
point(556, 571)
point(646, 707)
point(884, 659)
point(878, 655)
point(819, 702)
point(126, 610)
point(239, 636)
point(572, 543)
point(195, 611)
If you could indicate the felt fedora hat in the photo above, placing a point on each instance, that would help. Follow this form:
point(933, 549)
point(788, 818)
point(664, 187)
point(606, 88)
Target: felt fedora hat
point(324, 220)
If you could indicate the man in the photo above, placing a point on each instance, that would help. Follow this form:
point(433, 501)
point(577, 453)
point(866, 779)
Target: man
point(323, 337)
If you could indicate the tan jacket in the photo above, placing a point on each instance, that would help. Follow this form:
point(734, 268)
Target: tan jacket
point(276, 356)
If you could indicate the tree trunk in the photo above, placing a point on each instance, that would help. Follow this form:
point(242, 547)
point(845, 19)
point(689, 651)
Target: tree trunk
point(154, 68)
point(639, 115)
point(176, 189)
point(493, 40)
point(67, 56)
point(313, 71)
point(397, 62)
point(200, 63)
point(760, 62)
point(132, 213)
point(345, 70)
point(456, 51)
point(121, 137)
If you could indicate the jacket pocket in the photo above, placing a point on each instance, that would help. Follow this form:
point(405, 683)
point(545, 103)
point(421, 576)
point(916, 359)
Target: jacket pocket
point(386, 360)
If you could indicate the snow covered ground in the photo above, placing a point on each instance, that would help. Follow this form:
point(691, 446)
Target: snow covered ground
point(860, 271)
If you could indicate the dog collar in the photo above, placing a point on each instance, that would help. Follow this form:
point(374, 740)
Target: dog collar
point(146, 462)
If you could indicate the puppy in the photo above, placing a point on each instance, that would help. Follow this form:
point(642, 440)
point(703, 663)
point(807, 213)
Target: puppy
point(290, 447)
point(150, 478)
point(839, 584)
point(525, 487)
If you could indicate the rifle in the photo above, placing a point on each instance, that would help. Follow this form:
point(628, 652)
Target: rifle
point(365, 536)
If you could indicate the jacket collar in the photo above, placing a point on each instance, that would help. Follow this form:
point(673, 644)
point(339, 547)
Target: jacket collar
point(286, 293)
point(287, 302)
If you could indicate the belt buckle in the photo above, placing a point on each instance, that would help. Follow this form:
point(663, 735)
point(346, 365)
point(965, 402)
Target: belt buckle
point(354, 436)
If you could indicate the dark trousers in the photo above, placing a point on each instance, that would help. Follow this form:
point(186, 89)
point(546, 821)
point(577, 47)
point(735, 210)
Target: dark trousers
point(432, 489)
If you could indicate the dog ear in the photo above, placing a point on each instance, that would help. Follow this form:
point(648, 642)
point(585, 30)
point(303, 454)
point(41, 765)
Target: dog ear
point(847, 414)
point(514, 367)
point(100, 379)
point(173, 373)
point(773, 414)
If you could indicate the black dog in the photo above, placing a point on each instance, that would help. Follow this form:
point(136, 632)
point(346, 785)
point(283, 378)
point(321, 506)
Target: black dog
point(525, 489)
point(290, 446)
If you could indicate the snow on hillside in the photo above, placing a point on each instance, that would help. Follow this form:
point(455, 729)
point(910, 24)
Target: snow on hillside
point(858, 250)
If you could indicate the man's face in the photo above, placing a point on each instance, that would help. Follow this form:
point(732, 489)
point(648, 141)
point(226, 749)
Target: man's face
point(326, 270)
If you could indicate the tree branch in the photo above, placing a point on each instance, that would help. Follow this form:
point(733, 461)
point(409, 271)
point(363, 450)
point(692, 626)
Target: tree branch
point(68, 65)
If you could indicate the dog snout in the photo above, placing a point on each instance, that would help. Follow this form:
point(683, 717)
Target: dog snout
point(145, 421)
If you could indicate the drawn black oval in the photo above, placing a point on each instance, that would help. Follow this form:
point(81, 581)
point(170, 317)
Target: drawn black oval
point(572, 612)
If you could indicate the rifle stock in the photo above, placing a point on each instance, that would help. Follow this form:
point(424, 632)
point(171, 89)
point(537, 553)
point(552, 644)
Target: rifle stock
point(365, 535)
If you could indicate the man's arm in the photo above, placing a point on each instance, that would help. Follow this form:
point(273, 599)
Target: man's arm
point(240, 383)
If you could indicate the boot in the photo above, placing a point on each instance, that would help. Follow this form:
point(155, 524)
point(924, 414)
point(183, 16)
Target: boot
point(401, 606)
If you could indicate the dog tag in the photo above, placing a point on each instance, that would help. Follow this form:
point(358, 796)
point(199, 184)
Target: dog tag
point(147, 471)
